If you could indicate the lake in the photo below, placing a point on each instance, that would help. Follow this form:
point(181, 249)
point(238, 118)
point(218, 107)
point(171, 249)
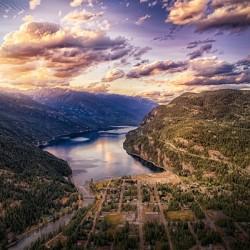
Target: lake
point(98, 155)
point(93, 155)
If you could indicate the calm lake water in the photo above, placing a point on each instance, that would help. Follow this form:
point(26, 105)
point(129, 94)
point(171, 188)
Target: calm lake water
point(94, 155)
point(98, 155)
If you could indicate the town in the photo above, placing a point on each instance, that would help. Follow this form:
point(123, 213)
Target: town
point(155, 211)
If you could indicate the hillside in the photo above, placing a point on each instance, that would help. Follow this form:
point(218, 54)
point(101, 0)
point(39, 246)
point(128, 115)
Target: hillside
point(95, 109)
point(35, 185)
point(45, 114)
point(203, 137)
point(28, 120)
point(25, 200)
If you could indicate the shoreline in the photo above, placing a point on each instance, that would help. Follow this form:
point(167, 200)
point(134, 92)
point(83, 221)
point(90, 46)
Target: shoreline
point(144, 160)
point(44, 144)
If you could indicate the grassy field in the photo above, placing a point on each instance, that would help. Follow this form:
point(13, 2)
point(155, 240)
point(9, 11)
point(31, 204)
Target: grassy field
point(115, 219)
point(182, 215)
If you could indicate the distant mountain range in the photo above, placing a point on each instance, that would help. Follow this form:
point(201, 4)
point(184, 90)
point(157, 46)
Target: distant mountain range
point(36, 116)
point(44, 114)
point(96, 109)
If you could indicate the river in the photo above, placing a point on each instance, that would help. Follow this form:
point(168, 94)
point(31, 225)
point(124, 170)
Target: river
point(93, 155)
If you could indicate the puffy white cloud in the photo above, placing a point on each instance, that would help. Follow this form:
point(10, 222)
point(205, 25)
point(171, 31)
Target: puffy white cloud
point(34, 3)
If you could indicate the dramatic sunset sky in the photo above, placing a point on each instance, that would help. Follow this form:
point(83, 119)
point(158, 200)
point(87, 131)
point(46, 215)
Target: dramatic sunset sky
point(150, 48)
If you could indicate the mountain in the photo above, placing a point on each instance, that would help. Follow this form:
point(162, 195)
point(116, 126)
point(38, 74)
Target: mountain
point(35, 185)
point(196, 124)
point(95, 109)
point(49, 113)
point(28, 120)
point(203, 137)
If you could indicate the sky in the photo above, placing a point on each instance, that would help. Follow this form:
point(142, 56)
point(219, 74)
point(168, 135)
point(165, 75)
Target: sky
point(151, 48)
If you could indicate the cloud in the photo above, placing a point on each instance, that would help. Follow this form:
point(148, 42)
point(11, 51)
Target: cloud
point(196, 43)
point(152, 4)
point(78, 17)
point(142, 19)
point(228, 15)
point(28, 18)
point(211, 71)
point(158, 96)
point(97, 87)
point(76, 3)
point(187, 12)
point(232, 15)
point(201, 51)
point(113, 75)
point(34, 3)
point(196, 72)
point(57, 54)
point(156, 68)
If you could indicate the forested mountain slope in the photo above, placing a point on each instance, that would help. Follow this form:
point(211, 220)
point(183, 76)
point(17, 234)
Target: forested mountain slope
point(204, 137)
point(35, 185)
point(212, 125)
point(28, 120)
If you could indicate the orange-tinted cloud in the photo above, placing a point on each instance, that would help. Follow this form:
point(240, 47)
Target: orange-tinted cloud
point(187, 12)
point(211, 15)
point(78, 17)
point(57, 54)
point(113, 75)
point(97, 88)
point(34, 3)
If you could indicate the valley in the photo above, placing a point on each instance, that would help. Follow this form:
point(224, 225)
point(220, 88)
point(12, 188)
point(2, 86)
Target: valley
point(36, 187)
point(199, 201)
point(153, 211)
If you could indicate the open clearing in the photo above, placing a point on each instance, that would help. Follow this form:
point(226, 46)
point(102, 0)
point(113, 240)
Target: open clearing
point(183, 215)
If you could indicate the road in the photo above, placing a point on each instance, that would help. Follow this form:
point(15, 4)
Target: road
point(163, 218)
point(213, 226)
point(139, 207)
point(121, 197)
point(97, 213)
point(198, 244)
